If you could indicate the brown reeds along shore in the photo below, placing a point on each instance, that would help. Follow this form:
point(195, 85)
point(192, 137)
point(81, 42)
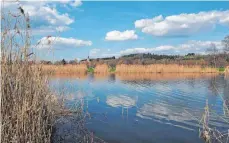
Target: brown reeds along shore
point(74, 69)
point(65, 69)
point(160, 68)
point(104, 68)
point(153, 68)
point(27, 105)
point(162, 76)
point(137, 76)
point(29, 110)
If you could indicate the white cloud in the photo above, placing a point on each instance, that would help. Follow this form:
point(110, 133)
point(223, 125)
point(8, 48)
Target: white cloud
point(46, 15)
point(74, 3)
point(183, 24)
point(147, 22)
point(61, 43)
point(191, 46)
point(120, 101)
point(121, 36)
point(62, 28)
point(43, 15)
point(64, 1)
point(198, 47)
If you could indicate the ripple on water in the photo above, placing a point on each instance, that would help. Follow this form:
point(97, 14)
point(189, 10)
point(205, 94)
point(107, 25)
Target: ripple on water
point(153, 103)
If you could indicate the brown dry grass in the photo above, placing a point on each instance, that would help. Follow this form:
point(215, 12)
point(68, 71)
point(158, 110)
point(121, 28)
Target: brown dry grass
point(103, 68)
point(27, 105)
point(162, 76)
point(65, 69)
point(74, 69)
point(160, 68)
point(29, 110)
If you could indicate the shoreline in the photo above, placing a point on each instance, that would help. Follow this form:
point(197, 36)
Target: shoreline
point(153, 68)
point(136, 76)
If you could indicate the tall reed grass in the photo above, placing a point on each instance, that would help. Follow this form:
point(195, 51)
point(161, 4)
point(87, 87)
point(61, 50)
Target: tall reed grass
point(27, 105)
point(101, 68)
point(161, 68)
point(65, 69)
point(123, 68)
point(30, 112)
point(162, 76)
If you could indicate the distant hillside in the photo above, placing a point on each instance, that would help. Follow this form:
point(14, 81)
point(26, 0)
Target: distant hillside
point(219, 60)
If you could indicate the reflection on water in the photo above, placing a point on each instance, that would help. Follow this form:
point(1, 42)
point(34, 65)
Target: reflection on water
point(161, 108)
point(120, 101)
point(163, 76)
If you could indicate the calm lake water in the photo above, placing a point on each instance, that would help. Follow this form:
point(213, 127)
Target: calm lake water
point(149, 108)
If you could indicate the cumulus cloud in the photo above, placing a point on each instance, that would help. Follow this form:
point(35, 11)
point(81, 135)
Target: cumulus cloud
point(183, 24)
point(61, 43)
point(121, 36)
point(74, 3)
point(191, 46)
point(198, 47)
point(43, 15)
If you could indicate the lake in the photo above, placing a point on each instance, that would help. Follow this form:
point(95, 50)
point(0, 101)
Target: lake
point(149, 108)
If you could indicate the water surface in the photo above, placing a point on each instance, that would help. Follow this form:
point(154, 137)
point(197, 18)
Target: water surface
point(149, 108)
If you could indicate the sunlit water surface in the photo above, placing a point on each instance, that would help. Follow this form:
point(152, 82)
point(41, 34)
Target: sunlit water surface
point(149, 108)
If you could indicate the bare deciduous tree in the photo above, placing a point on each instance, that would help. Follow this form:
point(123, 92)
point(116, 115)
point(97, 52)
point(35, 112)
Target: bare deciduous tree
point(225, 43)
point(213, 51)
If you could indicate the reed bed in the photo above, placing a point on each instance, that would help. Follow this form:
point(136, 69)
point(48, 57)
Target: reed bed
point(27, 105)
point(103, 68)
point(29, 110)
point(162, 76)
point(65, 69)
point(161, 68)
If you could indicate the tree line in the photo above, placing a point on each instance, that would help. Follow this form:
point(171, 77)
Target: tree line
point(214, 57)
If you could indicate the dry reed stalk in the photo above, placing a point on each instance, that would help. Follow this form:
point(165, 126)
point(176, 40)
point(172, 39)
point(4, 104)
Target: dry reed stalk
point(29, 111)
point(213, 135)
point(26, 103)
point(161, 68)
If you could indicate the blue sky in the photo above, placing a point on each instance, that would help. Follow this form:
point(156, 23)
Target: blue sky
point(101, 29)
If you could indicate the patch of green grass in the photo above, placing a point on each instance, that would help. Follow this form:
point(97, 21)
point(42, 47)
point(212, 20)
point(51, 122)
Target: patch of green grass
point(90, 70)
point(221, 69)
point(112, 69)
